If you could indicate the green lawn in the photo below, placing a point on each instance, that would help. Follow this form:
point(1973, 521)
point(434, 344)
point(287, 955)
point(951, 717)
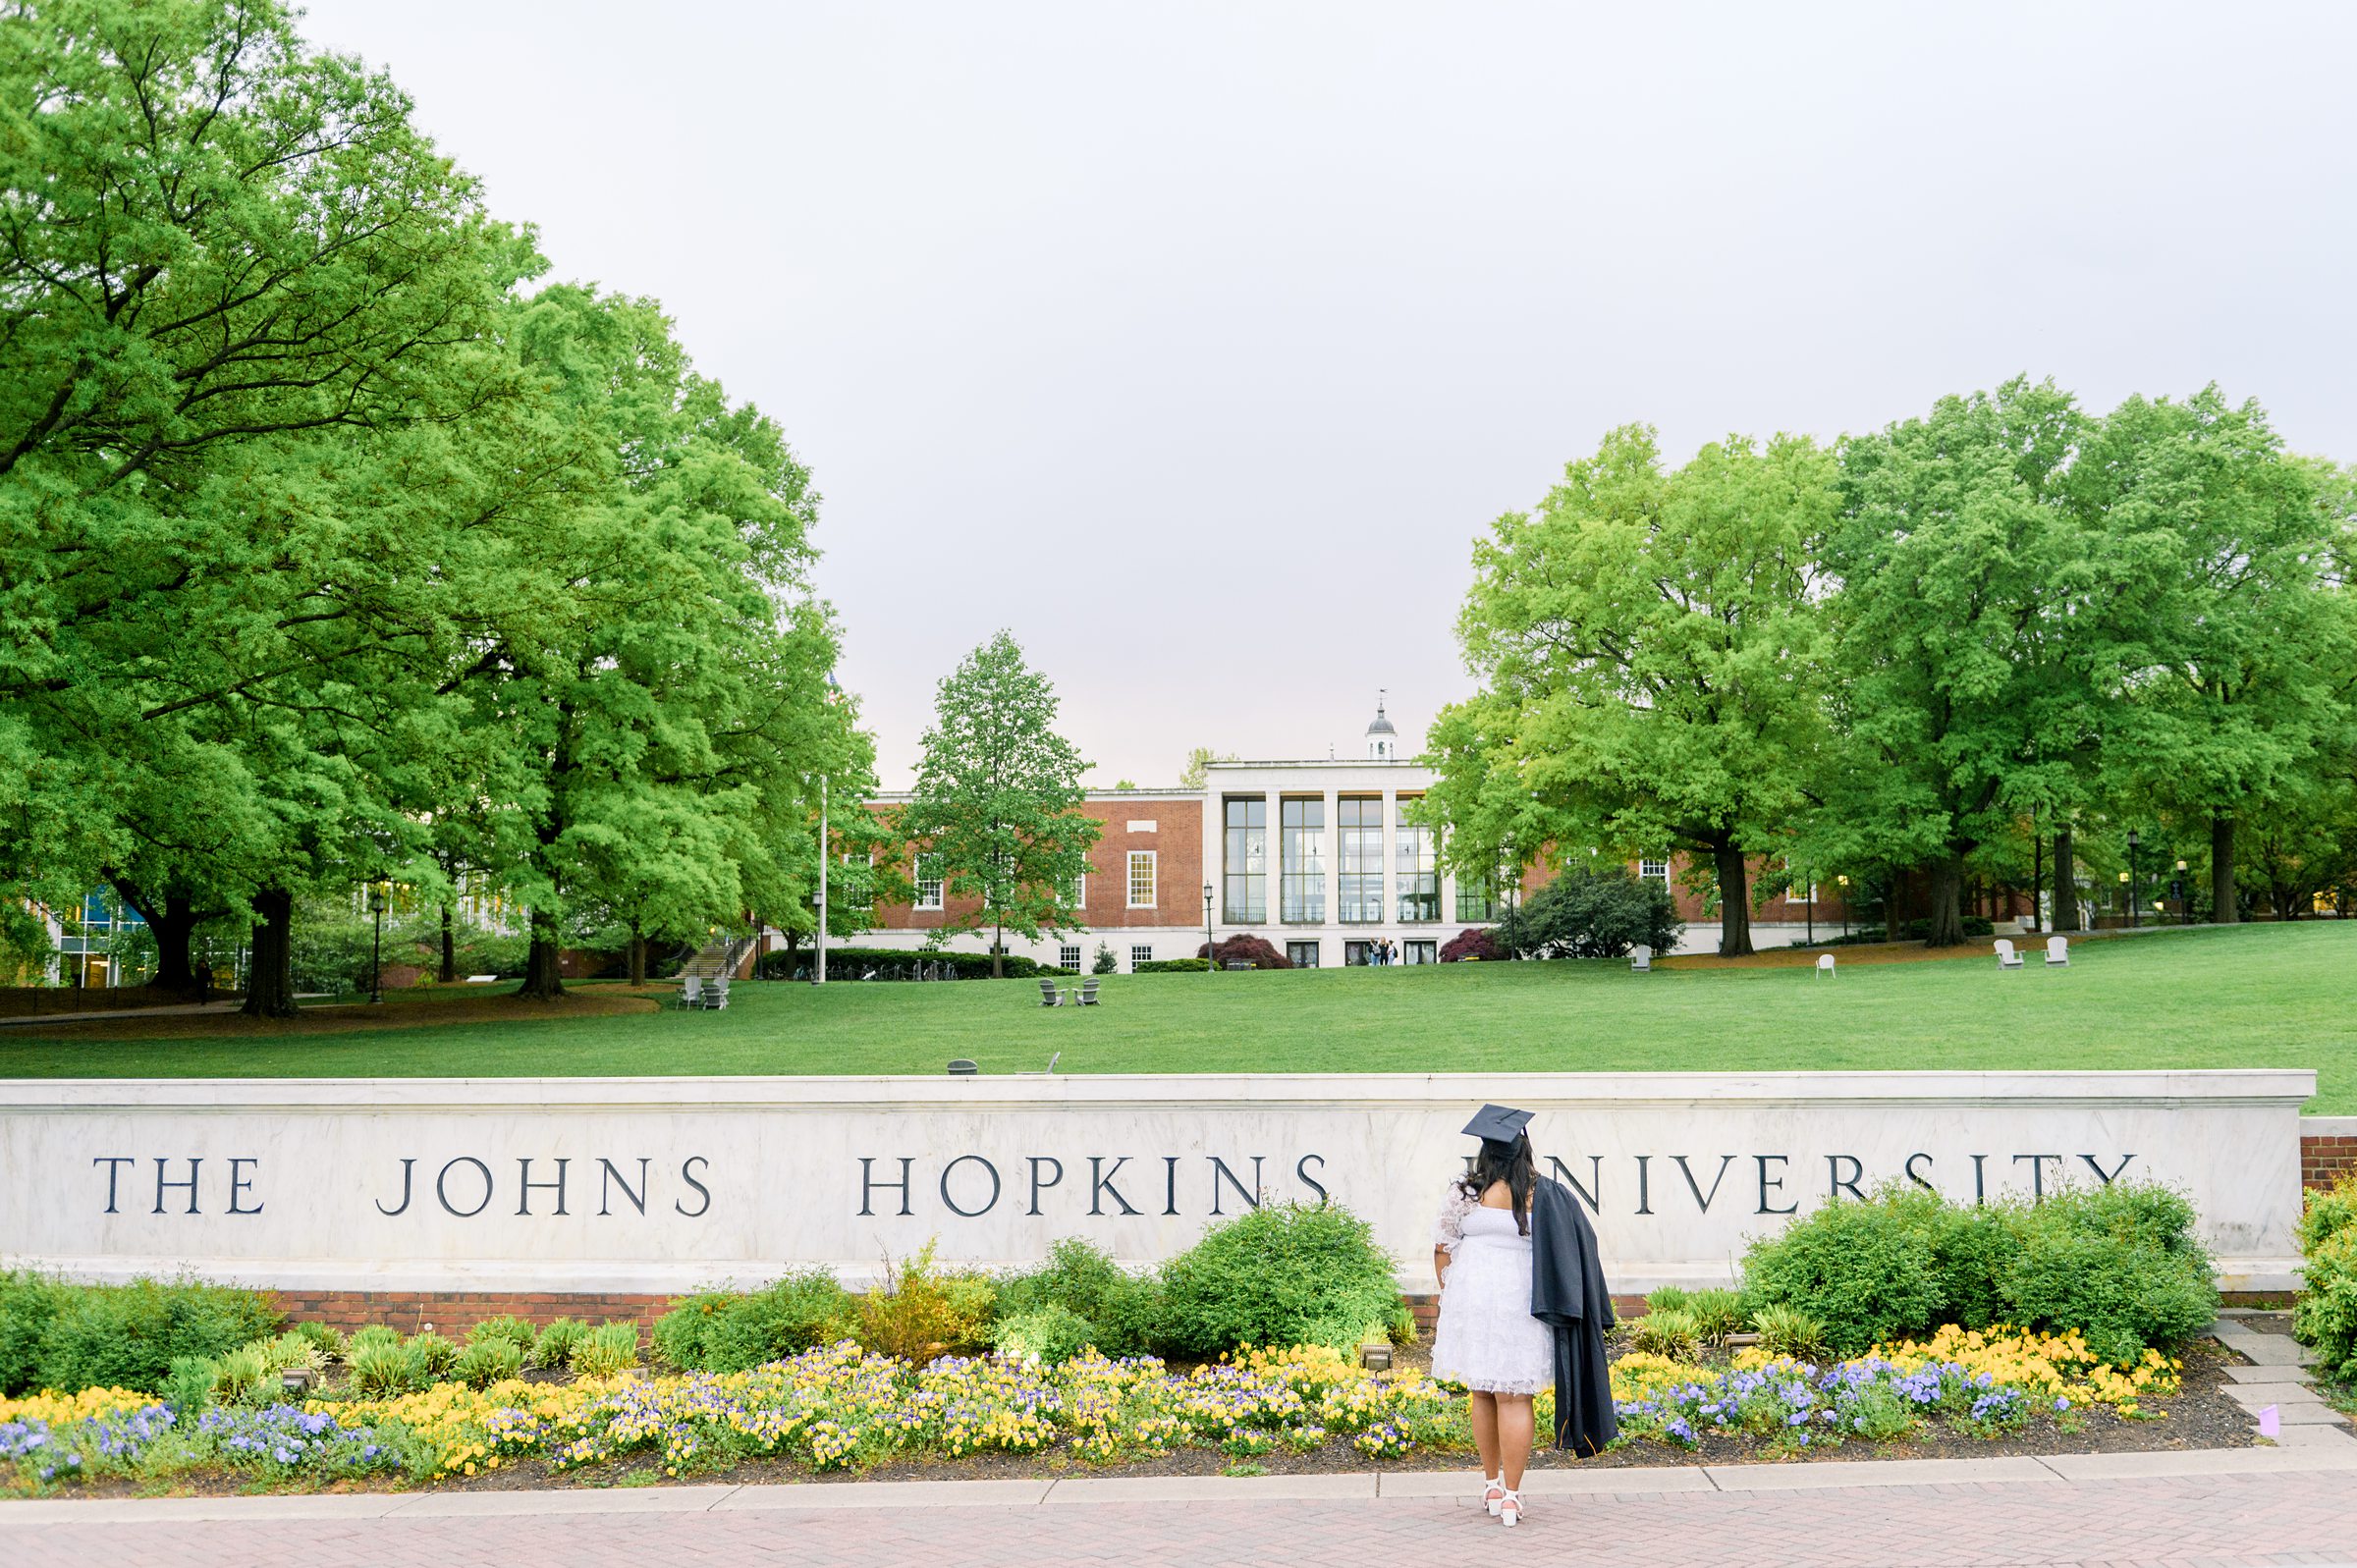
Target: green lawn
point(2265, 996)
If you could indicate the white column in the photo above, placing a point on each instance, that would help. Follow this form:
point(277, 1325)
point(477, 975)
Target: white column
point(1391, 859)
point(1272, 865)
point(1331, 930)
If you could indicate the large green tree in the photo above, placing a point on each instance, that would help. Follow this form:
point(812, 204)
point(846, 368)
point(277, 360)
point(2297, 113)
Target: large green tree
point(1648, 652)
point(996, 809)
point(2224, 639)
point(1958, 690)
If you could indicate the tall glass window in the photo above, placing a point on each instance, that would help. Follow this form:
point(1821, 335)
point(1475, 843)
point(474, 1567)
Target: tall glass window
point(1476, 899)
point(1303, 882)
point(1247, 899)
point(1360, 873)
point(1419, 872)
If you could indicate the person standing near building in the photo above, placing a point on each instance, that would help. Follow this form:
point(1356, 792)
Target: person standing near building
point(1523, 1302)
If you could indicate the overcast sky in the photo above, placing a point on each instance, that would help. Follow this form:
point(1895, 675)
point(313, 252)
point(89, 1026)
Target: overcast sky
point(1194, 343)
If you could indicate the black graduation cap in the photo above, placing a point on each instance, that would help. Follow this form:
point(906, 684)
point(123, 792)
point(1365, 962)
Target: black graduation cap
point(1498, 1123)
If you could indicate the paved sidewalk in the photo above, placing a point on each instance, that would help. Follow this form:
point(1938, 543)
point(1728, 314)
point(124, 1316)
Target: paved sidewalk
point(2228, 1509)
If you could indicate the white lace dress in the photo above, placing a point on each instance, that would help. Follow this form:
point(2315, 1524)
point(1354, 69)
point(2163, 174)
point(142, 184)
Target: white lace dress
point(1486, 1339)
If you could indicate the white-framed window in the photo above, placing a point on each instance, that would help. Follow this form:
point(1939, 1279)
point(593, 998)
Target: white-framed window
point(1075, 896)
point(1140, 953)
point(1141, 879)
point(863, 893)
point(1651, 870)
point(928, 882)
point(1067, 956)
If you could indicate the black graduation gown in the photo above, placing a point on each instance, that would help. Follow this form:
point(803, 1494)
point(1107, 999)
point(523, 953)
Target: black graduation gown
point(1568, 1293)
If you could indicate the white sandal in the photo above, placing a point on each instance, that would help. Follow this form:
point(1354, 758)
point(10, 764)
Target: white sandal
point(1493, 1494)
point(1510, 1509)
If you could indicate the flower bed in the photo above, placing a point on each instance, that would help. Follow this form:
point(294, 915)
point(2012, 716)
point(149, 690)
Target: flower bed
point(1973, 1382)
point(844, 1409)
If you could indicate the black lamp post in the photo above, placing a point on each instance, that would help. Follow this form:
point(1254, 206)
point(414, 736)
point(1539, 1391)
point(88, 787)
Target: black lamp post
point(1211, 958)
point(2184, 902)
point(1843, 884)
point(2133, 841)
point(376, 958)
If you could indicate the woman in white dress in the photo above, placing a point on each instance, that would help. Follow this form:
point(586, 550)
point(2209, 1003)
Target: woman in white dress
point(1488, 1341)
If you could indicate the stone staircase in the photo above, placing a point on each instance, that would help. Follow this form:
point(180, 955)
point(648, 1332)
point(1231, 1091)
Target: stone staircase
point(720, 956)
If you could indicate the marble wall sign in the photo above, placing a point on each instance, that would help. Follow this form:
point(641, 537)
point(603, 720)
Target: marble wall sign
point(656, 1184)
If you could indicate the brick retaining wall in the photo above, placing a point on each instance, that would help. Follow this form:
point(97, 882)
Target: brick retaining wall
point(2329, 1152)
point(452, 1312)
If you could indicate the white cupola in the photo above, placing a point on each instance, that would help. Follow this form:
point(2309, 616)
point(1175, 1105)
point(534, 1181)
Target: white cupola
point(1383, 742)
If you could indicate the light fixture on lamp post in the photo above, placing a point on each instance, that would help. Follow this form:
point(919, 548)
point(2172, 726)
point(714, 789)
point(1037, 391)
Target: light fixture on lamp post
point(376, 962)
point(1211, 958)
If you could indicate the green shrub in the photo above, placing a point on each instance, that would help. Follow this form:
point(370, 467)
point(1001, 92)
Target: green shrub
point(2322, 1214)
point(1170, 966)
point(508, 1327)
point(244, 1375)
point(2325, 1315)
point(27, 1301)
point(1086, 1283)
point(2118, 1264)
point(293, 1352)
point(556, 1344)
point(380, 1370)
point(609, 1350)
point(1593, 914)
point(375, 1334)
point(1789, 1332)
point(487, 1360)
point(1670, 1331)
point(121, 1336)
point(892, 963)
point(1051, 1333)
point(1280, 1275)
point(1717, 1314)
point(725, 1331)
point(921, 1311)
point(1864, 1270)
point(1975, 1251)
point(1668, 1298)
point(327, 1339)
point(189, 1383)
point(434, 1355)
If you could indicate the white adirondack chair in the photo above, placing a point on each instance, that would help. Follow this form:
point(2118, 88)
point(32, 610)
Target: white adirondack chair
point(1640, 958)
point(2058, 953)
point(692, 991)
point(2006, 957)
point(1825, 964)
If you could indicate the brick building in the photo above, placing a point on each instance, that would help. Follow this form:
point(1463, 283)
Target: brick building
point(1316, 857)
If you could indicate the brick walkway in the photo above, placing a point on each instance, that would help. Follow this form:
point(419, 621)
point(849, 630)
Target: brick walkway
point(2200, 1521)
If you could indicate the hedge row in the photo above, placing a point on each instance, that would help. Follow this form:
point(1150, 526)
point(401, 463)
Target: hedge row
point(897, 963)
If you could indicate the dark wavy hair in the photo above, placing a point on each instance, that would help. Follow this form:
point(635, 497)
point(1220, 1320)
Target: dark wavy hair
point(1510, 1163)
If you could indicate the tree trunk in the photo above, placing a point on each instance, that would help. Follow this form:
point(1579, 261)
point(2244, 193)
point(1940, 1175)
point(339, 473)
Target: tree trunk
point(1735, 902)
point(173, 923)
point(2066, 883)
point(2222, 907)
point(449, 973)
point(637, 955)
point(997, 953)
point(270, 987)
point(543, 981)
point(2037, 876)
point(1946, 911)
